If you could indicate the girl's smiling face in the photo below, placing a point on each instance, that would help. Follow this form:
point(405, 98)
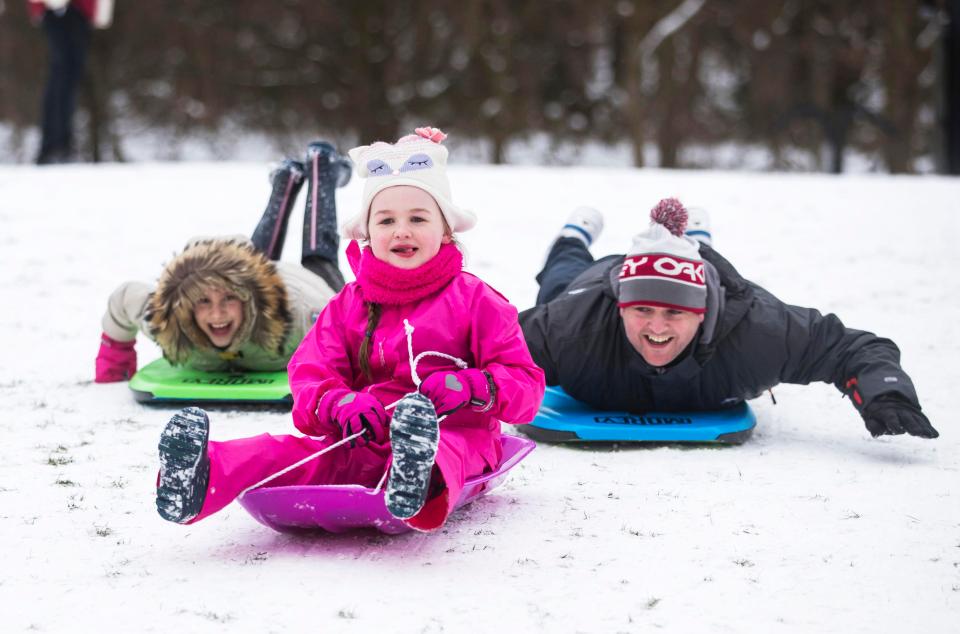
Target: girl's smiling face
point(219, 315)
point(406, 226)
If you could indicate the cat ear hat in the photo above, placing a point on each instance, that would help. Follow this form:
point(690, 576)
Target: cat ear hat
point(417, 160)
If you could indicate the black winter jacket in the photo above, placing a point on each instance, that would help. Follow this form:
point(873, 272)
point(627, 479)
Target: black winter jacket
point(748, 342)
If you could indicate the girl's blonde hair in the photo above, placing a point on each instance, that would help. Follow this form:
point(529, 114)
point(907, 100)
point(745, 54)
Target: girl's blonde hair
point(233, 266)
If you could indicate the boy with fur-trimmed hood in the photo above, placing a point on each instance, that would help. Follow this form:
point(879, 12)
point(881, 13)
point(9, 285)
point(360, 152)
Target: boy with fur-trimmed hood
point(226, 303)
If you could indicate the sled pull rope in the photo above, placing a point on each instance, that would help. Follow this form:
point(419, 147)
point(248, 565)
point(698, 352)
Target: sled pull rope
point(383, 479)
point(407, 328)
point(302, 461)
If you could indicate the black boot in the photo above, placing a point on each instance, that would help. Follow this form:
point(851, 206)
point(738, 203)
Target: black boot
point(326, 171)
point(271, 231)
point(184, 465)
point(414, 438)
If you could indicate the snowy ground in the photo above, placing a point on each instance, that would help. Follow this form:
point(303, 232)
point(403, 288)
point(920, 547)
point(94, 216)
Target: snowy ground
point(810, 526)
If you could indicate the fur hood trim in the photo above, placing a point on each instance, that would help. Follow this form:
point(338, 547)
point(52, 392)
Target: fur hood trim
point(233, 266)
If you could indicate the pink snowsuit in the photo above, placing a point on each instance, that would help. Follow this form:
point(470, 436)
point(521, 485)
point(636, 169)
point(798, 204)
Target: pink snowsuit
point(465, 319)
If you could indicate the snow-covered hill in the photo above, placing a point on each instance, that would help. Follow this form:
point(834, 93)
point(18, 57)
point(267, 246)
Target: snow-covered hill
point(810, 526)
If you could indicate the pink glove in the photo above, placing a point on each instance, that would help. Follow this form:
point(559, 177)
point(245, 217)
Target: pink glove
point(116, 360)
point(450, 391)
point(353, 412)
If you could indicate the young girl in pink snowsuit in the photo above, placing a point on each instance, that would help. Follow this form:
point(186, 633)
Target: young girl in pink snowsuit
point(413, 322)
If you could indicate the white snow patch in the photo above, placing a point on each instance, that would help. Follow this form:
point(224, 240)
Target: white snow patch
point(810, 526)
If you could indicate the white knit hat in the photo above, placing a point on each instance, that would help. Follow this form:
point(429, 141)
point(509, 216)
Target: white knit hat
point(664, 267)
point(417, 160)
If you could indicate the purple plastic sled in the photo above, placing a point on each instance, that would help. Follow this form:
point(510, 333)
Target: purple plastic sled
point(341, 507)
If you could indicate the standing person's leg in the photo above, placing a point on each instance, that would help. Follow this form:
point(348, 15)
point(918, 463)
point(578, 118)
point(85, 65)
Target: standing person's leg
point(570, 254)
point(78, 35)
point(68, 34)
point(326, 171)
point(55, 28)
point(271, 231)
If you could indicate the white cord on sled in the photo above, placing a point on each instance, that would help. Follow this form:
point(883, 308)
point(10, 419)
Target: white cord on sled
point(302, 461)
point(408, 329)
point(460, 363)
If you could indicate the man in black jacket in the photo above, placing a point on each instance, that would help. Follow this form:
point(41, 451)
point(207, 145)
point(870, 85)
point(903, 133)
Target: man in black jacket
point(672, 326)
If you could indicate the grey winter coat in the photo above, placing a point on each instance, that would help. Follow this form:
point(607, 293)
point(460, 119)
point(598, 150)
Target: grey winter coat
point(306, 295)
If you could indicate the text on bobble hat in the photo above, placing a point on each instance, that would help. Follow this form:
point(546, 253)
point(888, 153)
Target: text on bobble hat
point(664, 265)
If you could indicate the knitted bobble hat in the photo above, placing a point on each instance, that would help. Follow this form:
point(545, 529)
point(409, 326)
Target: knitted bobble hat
point(418, 160)
point(664, 267)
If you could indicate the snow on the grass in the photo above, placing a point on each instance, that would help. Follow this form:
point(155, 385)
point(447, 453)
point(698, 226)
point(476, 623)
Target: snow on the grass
point(809, 526)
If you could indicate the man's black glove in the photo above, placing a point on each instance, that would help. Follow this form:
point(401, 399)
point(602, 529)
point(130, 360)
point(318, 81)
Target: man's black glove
point(892, 413)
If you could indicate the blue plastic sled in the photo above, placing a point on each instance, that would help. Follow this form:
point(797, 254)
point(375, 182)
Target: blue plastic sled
point(159, 382)
point(562, 418)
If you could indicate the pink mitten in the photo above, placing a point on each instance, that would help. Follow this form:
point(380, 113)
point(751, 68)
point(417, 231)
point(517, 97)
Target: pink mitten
point(353, 412)
point(116, 360)
point(450, 391)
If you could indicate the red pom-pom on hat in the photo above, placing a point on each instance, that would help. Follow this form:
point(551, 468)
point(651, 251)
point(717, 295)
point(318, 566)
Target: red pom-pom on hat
point(664, 267)
point(670, 213)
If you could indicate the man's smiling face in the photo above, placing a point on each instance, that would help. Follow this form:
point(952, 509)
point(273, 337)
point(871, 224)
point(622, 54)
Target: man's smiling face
point(659, 334)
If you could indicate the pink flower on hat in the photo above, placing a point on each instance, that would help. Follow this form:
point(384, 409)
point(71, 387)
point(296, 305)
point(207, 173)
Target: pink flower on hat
point(433, 134)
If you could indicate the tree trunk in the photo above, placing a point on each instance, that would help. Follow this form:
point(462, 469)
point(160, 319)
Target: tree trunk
point(633, 110)
point(900, 82)
point(950, 80)
point(666, 96)
point(94, 113)
point(498, 143)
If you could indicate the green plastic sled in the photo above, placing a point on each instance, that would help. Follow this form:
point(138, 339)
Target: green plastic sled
point(160, 382)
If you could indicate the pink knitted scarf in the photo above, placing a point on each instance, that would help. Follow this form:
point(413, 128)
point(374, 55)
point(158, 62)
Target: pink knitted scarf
point(382, 283)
